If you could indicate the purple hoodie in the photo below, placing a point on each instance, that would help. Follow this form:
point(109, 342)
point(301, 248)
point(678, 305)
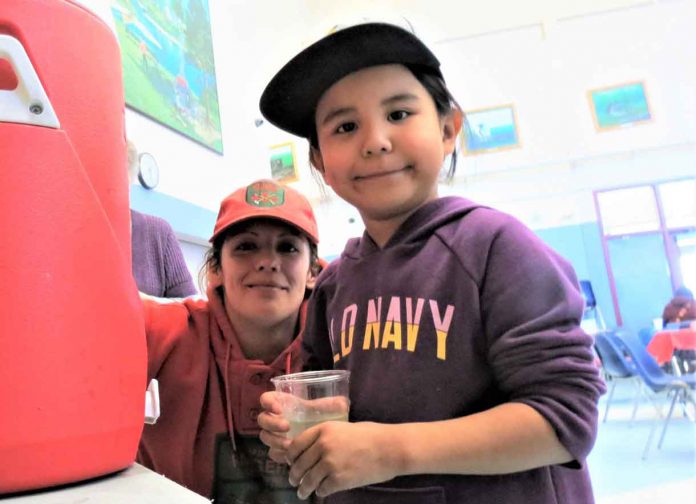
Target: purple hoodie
point(462, 310)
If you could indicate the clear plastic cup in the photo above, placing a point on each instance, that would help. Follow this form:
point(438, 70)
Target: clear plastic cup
point(313, 397)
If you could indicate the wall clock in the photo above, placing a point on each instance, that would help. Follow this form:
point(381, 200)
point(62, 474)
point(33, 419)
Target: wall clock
point(148, 170)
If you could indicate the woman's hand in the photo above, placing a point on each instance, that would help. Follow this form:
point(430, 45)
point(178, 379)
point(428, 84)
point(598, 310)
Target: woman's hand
point(273, 427)
point(335, 456)
point(329, 457)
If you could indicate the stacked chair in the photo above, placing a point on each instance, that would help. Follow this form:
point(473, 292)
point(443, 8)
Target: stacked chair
point(616, 368)
point(628, 348)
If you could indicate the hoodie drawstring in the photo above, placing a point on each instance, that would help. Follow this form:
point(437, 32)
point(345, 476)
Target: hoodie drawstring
point(228, 407)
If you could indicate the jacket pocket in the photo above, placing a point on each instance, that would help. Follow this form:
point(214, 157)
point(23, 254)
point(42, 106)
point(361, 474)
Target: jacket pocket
point(387, 495)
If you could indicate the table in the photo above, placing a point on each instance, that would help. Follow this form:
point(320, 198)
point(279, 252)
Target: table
point(135, 485)
point(664, 343)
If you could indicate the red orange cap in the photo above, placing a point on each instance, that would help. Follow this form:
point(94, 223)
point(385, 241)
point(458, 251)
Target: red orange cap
point(267, 199)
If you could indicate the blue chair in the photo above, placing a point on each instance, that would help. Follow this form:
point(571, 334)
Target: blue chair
point(616, 368)
point(645, 335)
point(679, 387)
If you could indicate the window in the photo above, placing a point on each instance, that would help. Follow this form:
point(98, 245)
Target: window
point(630, 210)
point(679, 203)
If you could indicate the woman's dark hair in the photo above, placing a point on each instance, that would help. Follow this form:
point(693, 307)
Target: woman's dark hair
point(212, 259)
point(444, 104)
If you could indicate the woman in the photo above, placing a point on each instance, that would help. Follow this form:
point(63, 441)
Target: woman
point(214, 358)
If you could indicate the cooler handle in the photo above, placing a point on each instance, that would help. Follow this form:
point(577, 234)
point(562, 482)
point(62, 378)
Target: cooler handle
point(28, 102)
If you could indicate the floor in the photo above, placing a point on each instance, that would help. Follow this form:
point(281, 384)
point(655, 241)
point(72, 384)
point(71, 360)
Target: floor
point(619, 473)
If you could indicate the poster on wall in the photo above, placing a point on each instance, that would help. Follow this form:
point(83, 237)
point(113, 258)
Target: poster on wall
point(490, 129)
point(617, 106)
point(168, 65)
point(283, 162)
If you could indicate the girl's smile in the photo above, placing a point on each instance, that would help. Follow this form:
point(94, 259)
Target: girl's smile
point(269, 286)
point(382, 173)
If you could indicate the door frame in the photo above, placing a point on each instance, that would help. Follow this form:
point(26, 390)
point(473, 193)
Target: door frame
point(670, 248)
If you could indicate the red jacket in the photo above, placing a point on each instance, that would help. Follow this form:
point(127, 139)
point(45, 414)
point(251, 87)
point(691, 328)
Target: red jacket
point(207, 391)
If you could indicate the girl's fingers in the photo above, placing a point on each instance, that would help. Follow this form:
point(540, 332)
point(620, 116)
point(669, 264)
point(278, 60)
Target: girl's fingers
point(327, 487)
point(278, 456)
point(302, 455)
point(308, 467)
point(311, 481)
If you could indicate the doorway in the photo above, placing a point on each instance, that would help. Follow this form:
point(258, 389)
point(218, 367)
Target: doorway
point(649, 242)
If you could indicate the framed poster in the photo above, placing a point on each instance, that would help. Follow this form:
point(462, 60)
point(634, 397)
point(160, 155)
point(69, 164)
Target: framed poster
point(168, 65)
point(283, 162)
point(490, 129)
point(620, 105)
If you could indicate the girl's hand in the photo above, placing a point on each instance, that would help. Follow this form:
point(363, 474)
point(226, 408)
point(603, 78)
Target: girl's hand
point(335, 456)
point(273, 428)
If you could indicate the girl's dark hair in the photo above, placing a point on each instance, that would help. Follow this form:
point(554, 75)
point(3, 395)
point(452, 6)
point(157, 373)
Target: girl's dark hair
point(444, 104)
point(212, 260)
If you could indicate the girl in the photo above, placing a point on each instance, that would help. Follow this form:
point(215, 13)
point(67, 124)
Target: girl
point(471, 380)
point(214, 358)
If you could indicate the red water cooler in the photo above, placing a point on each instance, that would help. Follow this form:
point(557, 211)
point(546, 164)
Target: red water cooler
point(72, 343)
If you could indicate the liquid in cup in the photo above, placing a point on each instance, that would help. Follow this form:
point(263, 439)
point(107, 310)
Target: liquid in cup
point(313, 397)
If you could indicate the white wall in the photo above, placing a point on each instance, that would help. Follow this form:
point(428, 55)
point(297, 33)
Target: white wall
point(244, 40)
point(547, 74)
point(194, 256)
point(541, 55)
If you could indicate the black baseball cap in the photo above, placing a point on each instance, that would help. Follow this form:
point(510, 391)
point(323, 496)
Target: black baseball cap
point(290, 99)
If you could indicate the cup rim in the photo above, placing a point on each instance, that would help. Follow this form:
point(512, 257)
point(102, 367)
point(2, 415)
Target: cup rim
point(327, 375)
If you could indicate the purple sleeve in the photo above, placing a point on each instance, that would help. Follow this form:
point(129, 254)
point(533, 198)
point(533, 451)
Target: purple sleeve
point(178, 279)
point(159, 268)
point(531, 309)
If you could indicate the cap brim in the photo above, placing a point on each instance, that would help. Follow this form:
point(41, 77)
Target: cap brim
point(289, 101)
point(270, 216)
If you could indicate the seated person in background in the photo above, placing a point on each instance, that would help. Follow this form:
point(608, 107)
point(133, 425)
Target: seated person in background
point(214, 358)
point(681, 307)
point(158, 263)
point(678, 313)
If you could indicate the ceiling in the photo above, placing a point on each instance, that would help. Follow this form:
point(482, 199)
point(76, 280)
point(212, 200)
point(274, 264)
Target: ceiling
point(443, 20)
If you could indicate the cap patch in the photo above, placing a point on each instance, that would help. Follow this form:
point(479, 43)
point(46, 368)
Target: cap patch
point(265, 194)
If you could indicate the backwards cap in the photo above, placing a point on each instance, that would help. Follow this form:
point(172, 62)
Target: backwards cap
point(270, 200)
point(290, 99)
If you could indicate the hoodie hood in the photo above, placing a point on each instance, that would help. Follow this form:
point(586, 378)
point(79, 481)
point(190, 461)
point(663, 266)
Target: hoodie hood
point(419, 226)
point(245, 379)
